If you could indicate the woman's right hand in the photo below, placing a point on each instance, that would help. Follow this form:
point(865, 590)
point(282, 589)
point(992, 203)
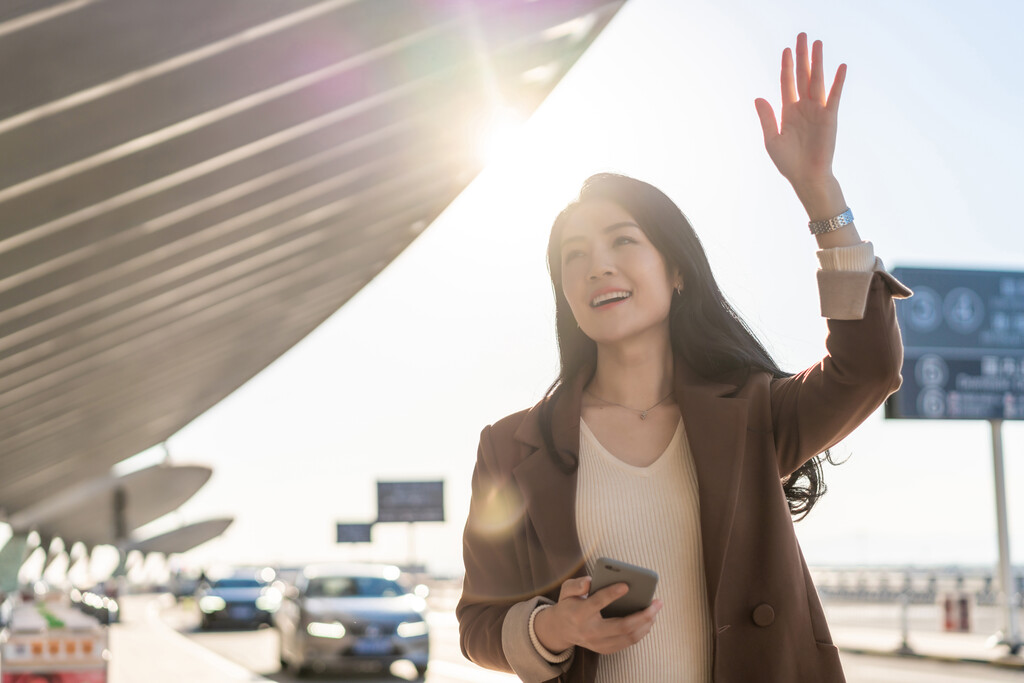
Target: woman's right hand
point(576, 620)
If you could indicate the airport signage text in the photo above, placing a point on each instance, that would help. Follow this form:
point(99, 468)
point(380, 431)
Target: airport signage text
point(963, 338)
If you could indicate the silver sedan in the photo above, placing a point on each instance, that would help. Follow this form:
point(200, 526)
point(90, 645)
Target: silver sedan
point(350, 617)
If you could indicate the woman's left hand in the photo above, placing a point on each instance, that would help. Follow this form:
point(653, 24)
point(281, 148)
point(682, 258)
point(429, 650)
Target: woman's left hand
point(803, 148)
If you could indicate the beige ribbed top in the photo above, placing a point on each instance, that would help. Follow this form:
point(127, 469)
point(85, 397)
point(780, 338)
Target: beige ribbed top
point(650, 516)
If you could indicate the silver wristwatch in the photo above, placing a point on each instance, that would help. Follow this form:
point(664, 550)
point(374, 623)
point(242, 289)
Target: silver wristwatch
point(834, 223)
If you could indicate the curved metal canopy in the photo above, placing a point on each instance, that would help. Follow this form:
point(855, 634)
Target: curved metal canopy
point(185, 538)
point(105, 510)
point(188, 188)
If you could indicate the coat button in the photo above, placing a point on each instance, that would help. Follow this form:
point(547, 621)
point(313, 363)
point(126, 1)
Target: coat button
point(763, 615)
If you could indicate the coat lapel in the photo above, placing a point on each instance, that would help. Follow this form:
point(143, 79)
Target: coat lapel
point(548, 483)
point(550, 495)
point(716, 429)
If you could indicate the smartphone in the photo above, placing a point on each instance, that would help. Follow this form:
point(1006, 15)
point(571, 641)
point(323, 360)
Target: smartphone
point(641, 582)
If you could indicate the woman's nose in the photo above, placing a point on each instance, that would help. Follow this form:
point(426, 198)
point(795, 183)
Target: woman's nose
point(601, 266)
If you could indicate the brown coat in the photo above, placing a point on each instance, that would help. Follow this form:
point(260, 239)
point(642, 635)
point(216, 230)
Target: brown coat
point(521, 539)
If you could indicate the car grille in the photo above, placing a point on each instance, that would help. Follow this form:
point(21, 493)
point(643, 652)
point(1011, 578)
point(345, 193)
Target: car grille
point(363, 628)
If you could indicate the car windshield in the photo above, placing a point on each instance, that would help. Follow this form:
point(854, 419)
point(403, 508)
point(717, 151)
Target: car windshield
point(237, 583)
point(352, 586)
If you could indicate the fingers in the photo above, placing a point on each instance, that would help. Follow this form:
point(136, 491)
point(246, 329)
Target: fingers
point(817, 76)
point(645, 616)
point(789, 93)
point(575, 588)
point(625, 631)
point(837, 89)
point(607, 595)
point(803, 67)
point(769, 125)
point(809, 79)
point(582, 619)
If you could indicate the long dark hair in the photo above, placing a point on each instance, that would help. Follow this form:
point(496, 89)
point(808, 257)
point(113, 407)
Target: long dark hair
point(705, 331)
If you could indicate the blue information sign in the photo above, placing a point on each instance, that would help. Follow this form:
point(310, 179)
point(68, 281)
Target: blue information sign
point(410, 501)
point(963, 338)
point(354, 533)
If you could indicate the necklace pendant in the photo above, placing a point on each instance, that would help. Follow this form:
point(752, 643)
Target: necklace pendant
point(643, 414)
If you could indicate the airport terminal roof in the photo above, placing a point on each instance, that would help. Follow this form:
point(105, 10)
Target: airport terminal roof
point(184, 538)
point(189, 188)
point(105, 509)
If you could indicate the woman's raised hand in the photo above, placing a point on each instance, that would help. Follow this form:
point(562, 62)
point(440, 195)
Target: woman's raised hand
point(803, 147)
point(576, 620)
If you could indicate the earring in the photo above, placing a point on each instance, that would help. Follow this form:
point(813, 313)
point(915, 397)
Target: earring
point(679, 289)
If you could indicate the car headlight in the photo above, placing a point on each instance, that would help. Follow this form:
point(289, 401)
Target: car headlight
point(321, 629)
point(268, 602)
point(412, 629)
point(211, 603)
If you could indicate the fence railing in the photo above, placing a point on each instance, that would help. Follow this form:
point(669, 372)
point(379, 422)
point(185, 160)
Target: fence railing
point(919, 586)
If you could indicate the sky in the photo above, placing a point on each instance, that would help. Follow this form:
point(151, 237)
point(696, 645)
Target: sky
point(459, 330)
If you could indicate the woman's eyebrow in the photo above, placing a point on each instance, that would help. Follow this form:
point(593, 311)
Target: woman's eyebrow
point(607, 229)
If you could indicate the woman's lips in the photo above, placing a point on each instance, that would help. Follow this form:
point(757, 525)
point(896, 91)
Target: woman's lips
point(609, 297)
point(609, 304)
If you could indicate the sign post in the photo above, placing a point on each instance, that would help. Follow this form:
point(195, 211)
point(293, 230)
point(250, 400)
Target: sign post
point(410, 502)
point(1011, 634)
point(963, 336)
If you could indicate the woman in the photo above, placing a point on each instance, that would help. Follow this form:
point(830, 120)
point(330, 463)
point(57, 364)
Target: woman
point(671, 440)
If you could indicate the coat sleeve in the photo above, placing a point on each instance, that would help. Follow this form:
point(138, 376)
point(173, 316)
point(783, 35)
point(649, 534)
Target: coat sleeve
point(815, 409)
point(497, 596)
point(489, 556)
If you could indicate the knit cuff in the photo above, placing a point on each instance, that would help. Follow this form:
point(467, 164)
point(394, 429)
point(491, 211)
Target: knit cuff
point(524, 658)
point(544, 652)
point(859, 257)
point(844, 293)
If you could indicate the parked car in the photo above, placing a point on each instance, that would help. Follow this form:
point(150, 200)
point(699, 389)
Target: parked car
point(240, 600)
point(100, 601)
point(350, 617)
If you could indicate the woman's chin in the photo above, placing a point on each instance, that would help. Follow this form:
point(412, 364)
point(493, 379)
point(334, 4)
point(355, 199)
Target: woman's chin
point(621, 336)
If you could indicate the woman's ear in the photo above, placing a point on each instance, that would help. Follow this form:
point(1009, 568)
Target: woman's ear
point(678, 282)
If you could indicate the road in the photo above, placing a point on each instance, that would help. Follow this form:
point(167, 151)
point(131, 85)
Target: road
point(257, 651)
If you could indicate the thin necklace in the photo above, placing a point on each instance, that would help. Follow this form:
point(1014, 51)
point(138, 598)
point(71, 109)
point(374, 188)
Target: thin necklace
point(643, 413)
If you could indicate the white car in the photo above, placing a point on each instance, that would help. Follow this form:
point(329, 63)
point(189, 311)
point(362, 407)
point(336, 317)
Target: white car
point(350, 617)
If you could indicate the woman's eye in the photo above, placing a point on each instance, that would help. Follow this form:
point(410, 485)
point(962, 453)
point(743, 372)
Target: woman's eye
point(624, 240)
point(571, 255)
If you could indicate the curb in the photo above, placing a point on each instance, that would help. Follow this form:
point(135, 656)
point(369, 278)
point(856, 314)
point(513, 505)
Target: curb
point(1012, 662)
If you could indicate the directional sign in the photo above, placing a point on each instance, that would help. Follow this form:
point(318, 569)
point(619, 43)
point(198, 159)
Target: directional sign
point(410, 501)
point(963, 337)
point(354, 533)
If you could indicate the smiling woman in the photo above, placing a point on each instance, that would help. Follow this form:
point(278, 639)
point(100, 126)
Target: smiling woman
point(672, 441)
point(615, 281)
